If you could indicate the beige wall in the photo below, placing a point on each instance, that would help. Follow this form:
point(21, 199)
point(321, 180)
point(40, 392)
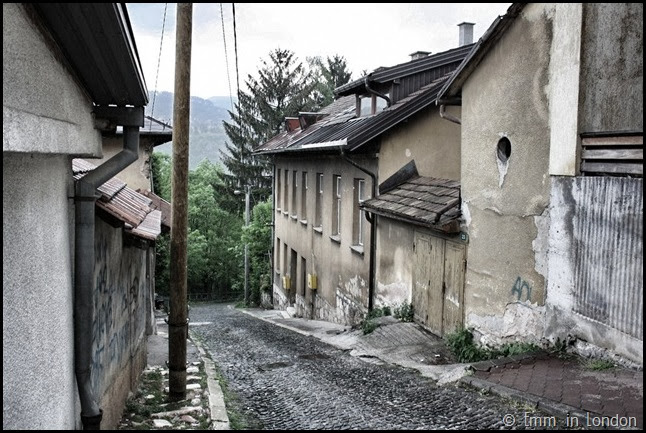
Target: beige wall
point(137, 174)
point(434, 144)
point(342, 271)
point(504, 204)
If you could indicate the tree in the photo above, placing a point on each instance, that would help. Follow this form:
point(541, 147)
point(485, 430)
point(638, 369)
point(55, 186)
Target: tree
point(282, 89)
point(329, 74)
point(258, 236)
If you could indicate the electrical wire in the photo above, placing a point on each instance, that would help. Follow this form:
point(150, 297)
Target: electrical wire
point(226, 56)
point(161, 44)
point(235, 42)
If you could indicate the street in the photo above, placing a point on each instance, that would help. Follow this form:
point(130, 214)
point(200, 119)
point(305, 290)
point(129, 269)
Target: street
point(285, 380)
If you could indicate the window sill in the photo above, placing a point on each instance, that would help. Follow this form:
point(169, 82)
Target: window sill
point(336, 238)
point(318, 230)
point(294, 217)
point(285, 213)
point(357, 249)
point(304, 222)
point(278, 210)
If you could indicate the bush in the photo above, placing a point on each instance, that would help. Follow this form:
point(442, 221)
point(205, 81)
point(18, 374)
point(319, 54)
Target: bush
point(404, 312)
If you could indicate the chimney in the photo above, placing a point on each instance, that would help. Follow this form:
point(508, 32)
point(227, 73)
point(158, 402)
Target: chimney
point(419, 55)
point(466, 33)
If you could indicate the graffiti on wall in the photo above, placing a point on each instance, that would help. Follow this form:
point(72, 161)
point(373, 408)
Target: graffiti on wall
point(521, 286)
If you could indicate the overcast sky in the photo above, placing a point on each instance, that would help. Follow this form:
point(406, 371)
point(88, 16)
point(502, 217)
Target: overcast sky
point(367, 35)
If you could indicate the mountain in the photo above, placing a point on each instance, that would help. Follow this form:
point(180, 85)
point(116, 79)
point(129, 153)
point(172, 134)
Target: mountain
point(206, 135)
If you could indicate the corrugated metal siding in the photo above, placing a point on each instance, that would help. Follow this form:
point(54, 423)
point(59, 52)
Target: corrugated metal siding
point(609, 273)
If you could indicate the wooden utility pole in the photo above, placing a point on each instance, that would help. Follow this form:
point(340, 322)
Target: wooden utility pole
point(178, 316)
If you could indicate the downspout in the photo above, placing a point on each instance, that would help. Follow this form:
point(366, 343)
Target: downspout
point(85, 197)
point(444, 115)
point(372, 219)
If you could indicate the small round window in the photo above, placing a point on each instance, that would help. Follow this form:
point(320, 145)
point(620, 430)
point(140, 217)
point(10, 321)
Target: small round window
point(504, 149)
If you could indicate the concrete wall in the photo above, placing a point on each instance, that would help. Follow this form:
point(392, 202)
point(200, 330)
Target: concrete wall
point(504, 203)
point(119, 324)
point(612, 76)
point(596, 278)
point(434, 144)
point(44, 109)
point(394, 262)
point(137, 174)
point(342, 271)
point(38, 387)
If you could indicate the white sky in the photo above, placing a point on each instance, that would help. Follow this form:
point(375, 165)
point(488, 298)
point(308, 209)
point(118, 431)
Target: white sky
point(367, 35)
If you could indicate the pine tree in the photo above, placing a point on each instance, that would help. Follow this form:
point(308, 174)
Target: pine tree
point(329, 74)
point(282, 89)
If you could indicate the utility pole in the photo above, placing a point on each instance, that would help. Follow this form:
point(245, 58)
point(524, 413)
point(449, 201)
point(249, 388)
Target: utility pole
point(246, 246)
point(178, 316)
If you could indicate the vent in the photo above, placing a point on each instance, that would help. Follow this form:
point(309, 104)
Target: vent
point(612, 155)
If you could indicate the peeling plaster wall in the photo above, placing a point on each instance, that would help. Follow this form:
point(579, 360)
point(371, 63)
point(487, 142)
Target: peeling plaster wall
point(434, 144)
point(341, 271)
point(505, 204)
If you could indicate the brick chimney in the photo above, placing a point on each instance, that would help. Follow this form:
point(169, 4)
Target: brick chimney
point(466, 33)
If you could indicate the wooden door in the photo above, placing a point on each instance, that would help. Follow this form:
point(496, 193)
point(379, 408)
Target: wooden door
point(454, 269)
point(428, 277)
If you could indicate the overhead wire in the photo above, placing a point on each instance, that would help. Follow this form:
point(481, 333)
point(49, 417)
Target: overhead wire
point(235, 43)
point(161, 44)
point(226, 56)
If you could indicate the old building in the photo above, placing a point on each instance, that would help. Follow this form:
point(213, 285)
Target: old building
point(76, 269)
point(336, 252)
point(552, 176)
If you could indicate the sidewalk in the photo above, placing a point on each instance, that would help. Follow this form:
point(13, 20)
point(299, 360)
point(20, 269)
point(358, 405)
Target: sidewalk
point(562, 387)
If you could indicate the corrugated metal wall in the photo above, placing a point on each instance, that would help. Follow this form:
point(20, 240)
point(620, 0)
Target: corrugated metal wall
point(608, 233)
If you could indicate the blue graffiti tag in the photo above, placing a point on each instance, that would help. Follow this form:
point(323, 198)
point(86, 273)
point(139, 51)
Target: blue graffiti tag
point(519, 285)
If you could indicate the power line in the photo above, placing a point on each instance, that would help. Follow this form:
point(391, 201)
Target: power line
point(235, 42)
point(226, 56)
point(161, 44)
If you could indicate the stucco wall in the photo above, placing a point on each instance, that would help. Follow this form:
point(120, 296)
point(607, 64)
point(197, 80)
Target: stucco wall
point(38, 386)
point(434, 144)
point(612, 75)
point(342, 294)
point(119, 324)
point(504, 203)
point(137, 174)
point(394, 262)
point(43, 108)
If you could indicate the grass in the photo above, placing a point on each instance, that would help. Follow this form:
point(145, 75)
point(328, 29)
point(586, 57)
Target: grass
point(465, 350)
point(598, 364)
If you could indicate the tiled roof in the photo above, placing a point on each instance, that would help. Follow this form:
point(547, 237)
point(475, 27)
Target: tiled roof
point(425, 201)
point(135, 210)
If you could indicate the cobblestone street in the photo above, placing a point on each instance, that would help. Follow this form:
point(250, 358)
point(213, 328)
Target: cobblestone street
point(285, 380)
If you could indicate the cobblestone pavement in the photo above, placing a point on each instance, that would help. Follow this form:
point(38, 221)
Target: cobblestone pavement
point(285, 380)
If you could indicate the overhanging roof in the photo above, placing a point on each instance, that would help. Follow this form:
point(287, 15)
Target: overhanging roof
point(98, 43)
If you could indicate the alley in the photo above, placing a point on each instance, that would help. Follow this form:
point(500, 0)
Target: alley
point(285, 380)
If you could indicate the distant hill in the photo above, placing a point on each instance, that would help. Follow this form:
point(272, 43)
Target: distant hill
point(206, 136)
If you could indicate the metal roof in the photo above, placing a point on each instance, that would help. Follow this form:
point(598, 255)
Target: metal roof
point(135, 210)
point(384, 75)
point(99, 45)
point(342, 128)
point(154, 131)
point(426, 201)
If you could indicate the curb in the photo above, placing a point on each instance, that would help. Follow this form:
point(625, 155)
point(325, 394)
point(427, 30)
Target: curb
point(219, 416)
point(282, 325)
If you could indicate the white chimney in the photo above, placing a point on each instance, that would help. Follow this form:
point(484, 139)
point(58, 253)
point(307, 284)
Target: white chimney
point(419, 55)
point(466, 33)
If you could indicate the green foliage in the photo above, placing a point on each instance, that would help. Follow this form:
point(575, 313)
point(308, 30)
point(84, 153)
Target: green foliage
point(368, 325)
point(258, 236)
point(161, 173)
point(328, 75)
point(404, 312)
point(599, 364)
point(465, 350)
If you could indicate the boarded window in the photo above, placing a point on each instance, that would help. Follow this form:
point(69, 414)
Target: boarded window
point(612, 155)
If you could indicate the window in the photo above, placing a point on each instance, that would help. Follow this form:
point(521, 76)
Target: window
point(359, 214)
point(304, 197)
point(277, 257)
point(318, 217)
point(286, 194)
point(336, 206)
point(278, 189)
point(294, 189)
point(370, 104)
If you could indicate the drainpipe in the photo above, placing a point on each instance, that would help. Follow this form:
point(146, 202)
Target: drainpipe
point(449, 101)
point(366, 82)
point(85, 197)
point(372, 219)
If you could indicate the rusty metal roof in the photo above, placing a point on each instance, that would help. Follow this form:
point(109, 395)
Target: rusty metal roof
point(426, 201)
point(135, 210)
